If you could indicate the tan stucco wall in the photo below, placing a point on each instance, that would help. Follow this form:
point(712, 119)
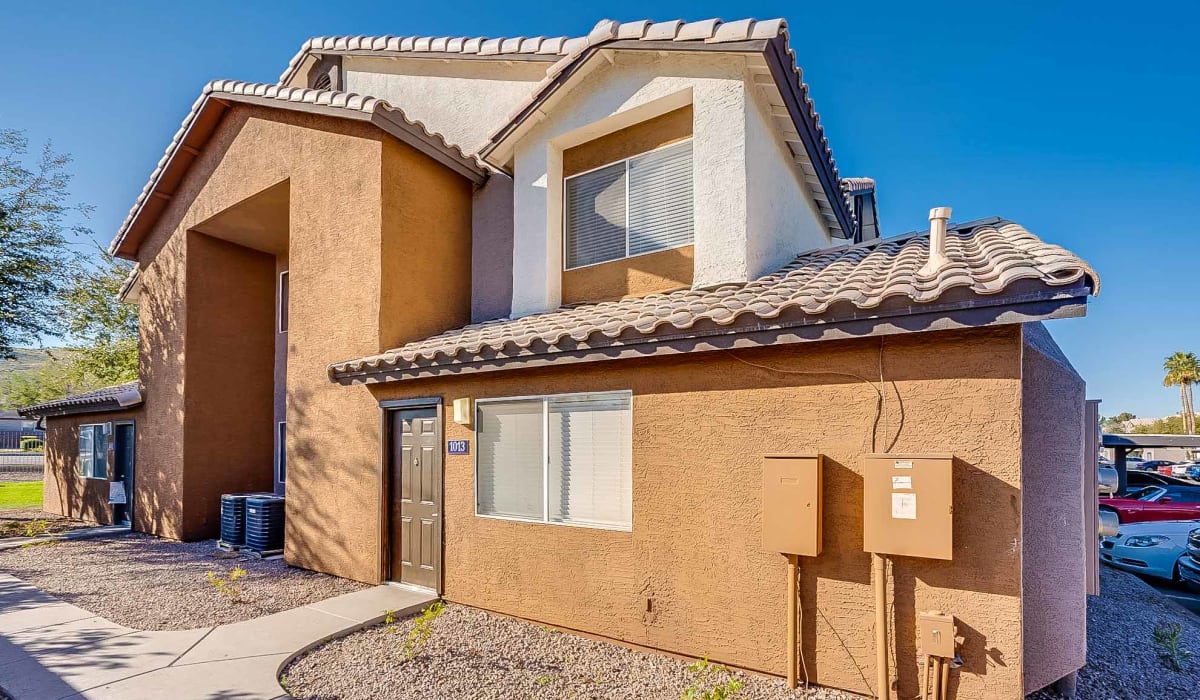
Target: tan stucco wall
point(334, 169)
point(64, 491)
point(701, 426)
point(638, 276)
point(229, 378)
point(644, 274)
point(1053, 527)
point(657, 132)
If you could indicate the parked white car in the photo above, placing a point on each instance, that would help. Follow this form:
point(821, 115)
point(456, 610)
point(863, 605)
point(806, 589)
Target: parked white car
point(1151, 548)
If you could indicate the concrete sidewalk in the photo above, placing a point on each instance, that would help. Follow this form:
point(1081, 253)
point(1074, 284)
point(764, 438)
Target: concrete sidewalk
point(51, 650)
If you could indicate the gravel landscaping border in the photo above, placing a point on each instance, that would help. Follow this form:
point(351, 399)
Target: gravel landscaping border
point(14, 523)
point(149, 583)
point(1123, 660)
point(478, 655)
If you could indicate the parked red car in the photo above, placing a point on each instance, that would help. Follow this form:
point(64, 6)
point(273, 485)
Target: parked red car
point(1167, 502)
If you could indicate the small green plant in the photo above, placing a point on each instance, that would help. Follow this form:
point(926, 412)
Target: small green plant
point(543, 680)
point(389, 621)
point(228, 586)
point(422, 628)
point(1167, 637)
point(548, 629)
point(37, 527)
point(710, 682)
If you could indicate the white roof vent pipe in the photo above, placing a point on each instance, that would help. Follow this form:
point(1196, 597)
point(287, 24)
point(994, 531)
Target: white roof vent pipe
point(938, 216)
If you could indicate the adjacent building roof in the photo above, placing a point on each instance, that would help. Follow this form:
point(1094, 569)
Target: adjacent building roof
point(770, 37)
point(998, 271)
point(111, 398)
point(215, 99)
point(507, 48)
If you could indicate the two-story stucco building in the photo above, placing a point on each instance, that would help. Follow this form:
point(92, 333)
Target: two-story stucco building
point(517, 321)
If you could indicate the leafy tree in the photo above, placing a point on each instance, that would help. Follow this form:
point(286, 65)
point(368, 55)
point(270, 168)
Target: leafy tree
point(1116, 424)
point(103, 329)
point(1183, 370)
point(35, 253)
point(1171, 425)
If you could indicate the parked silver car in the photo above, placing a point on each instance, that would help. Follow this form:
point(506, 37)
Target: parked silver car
point(1150, 548)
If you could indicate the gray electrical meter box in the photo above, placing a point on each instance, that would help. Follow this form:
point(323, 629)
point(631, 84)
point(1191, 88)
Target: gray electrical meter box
point(908, 505)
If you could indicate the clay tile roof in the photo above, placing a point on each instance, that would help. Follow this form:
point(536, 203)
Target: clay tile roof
point(467, 46)
point(104, 399)
point(833, 201)
point(189, 140)
point(985, 260)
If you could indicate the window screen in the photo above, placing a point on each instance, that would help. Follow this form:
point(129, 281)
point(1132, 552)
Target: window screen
point(635, 206)
point(93, 450)
point(564, 459)
point(510, 468)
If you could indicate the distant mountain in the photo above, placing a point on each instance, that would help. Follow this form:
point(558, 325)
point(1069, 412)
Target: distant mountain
point(29, 358)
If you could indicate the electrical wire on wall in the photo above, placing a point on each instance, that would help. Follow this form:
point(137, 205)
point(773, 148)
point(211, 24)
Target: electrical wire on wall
point(880, 396)
point(881, 417)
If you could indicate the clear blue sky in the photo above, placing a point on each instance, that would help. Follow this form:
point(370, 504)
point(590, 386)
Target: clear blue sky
point(1078, 120)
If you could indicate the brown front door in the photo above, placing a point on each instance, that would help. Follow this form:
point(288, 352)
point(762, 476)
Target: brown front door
point(416, 496)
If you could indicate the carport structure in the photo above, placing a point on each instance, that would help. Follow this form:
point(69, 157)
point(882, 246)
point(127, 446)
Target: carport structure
point(1123, 444)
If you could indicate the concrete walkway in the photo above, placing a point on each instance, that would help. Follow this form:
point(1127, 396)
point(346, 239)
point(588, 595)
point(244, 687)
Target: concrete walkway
point(51, 650)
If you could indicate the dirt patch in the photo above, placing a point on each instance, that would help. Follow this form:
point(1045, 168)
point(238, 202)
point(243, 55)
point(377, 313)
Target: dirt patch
point(31, 522)
point(474, 654)
point(1123, 659)
point(152, 584)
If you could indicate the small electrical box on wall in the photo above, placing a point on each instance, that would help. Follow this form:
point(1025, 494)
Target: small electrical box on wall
point(908, 505)
point(936, 634)
point(791, 504)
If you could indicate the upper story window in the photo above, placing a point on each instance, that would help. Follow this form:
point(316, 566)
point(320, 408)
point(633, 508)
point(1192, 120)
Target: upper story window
point(642, 204)
point(282, 301)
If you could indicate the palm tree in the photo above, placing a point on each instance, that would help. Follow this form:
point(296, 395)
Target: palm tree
point(1183, 371)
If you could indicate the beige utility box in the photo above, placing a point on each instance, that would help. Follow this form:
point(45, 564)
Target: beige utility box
point(791, 504)
point(936, 634)
point(908, 505)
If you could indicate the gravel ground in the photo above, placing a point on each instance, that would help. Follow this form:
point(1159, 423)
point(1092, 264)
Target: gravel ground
point(151, 584)
point(477, 655)
point(1123, 661)
point(13, 522)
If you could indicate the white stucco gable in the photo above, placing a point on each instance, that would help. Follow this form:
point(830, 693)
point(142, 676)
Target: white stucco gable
point(752, 209)
point(463, 100)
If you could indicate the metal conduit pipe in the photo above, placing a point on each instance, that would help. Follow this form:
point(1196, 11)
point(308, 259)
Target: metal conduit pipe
point(882, 685)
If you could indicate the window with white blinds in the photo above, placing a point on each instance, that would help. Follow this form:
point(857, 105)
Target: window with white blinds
point(639, 205)
point(560, 459)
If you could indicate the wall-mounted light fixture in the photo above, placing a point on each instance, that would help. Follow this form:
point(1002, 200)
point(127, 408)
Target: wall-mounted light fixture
point(462, 411)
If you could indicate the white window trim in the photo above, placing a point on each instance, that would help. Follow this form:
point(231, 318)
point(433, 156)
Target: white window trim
point(108, 431)
point(279, 302)
point(545, 519)
point(280, 451)
point(625, 160)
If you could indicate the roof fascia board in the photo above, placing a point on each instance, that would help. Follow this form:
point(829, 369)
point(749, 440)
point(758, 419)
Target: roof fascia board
point(499, 151)
point(980, 313)
point(207, 120)
point(782, 71)
point(382, 118)
point(442, 56)
point(414, 137)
